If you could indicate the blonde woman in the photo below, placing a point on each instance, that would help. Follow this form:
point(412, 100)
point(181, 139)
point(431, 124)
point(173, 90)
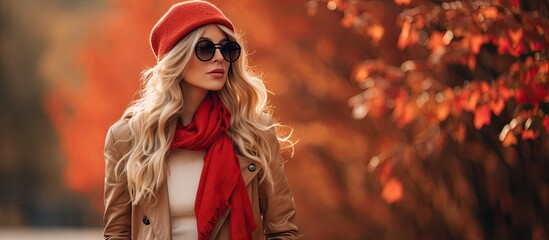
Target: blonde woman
point(196, 156)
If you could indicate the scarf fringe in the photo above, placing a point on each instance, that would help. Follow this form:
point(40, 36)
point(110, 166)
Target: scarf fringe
point(221, 209)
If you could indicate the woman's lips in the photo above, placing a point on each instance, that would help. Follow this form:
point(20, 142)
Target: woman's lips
point(217, 73)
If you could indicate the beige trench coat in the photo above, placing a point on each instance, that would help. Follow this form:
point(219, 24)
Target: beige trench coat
point(274, 211)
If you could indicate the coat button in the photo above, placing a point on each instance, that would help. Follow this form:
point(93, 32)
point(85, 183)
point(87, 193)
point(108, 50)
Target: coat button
point(251, 167)
point(146, 220)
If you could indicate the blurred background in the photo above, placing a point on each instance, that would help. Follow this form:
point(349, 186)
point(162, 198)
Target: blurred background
point(415, 119)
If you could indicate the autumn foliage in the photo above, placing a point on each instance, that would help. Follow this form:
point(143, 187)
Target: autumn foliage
point(452, 34)
point(467, 69)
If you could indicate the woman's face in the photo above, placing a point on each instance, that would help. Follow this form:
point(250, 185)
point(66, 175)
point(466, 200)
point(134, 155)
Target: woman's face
point(212, 74)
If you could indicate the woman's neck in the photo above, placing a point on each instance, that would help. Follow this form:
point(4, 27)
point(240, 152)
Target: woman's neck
point(192, 97)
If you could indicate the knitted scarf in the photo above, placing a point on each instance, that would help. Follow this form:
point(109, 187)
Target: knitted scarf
point(221, 185)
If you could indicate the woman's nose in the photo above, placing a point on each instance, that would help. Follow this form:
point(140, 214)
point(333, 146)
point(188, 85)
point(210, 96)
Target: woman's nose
point(217, 55)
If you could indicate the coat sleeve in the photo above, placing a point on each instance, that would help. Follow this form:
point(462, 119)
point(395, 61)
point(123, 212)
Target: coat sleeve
point(117, 215)
point(278, 206)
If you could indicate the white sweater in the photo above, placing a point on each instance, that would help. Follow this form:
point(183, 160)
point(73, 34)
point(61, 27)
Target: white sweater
point(185, 168)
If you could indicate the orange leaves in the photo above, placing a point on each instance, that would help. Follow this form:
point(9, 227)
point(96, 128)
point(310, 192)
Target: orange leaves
point(516, 45)
point(409, 113)
point(482, 116)
point(404, 34)
point(506, 136)
point(454, 78)
point(520, 38)
point(471, 103)
point(392, 191)
point(348, 20)
point(455, 35)
point(361, 73)
point(403, 2)
point(497, 106)
point(490, 13)
point(410, 92)
point(515, 36)
point(476, 41)
point(483, 99)
point(528, 125)
point(373, 77)
point(442, 111)
point(376, 32)
point(408, 35)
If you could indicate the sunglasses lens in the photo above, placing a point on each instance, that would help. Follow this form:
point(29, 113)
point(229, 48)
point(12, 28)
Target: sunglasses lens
point(230, 51)
point(205, 50)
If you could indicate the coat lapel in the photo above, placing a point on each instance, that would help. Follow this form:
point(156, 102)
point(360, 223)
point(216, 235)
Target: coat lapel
point(249, 169)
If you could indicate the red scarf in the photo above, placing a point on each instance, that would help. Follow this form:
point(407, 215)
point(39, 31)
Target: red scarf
point(221, 185)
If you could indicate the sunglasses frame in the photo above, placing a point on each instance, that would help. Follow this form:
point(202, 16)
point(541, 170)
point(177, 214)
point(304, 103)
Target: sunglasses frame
point(217, 46)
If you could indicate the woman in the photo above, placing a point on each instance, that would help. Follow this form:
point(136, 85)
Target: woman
point(196, 156)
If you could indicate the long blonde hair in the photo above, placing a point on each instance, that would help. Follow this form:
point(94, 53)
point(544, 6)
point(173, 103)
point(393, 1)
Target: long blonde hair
point(152, 118)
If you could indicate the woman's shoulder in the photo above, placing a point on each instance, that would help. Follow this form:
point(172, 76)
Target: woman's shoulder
point(120, 130)
point(117, 141)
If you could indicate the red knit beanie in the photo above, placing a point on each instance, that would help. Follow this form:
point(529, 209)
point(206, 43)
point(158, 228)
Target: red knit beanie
point(181, 19)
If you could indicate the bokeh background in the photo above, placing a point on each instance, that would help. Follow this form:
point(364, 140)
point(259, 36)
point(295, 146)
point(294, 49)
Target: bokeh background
point(68, 69)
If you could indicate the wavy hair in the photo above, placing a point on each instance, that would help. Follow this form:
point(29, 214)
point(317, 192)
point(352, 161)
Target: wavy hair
point(153, 117)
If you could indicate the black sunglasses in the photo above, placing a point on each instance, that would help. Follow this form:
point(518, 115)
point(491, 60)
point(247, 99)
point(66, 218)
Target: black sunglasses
point(205, 50)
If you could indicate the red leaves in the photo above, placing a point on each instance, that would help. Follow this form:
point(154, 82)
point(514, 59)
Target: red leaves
point(514, 3)
point(536, 46)
point(502, 44)
point(516, 47)
point(532, 94)
point(417, 90)
point(411, 93)
point(505, 51)
point(532, 91)
point(529, 135)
